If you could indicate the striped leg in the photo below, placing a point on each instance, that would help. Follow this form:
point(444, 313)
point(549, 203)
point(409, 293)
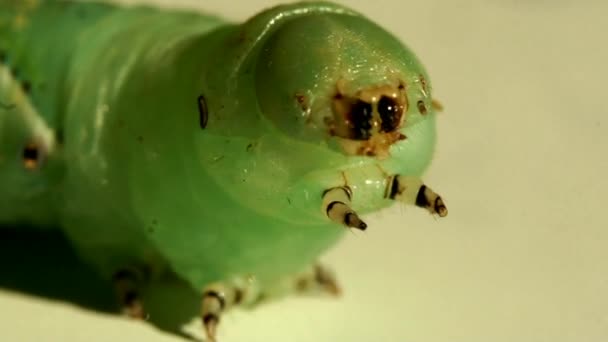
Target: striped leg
point(411, 190)
point(127, 283)
point(336, 203)
point(219, 297)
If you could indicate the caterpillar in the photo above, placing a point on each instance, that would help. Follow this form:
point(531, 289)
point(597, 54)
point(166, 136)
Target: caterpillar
point(175, 144)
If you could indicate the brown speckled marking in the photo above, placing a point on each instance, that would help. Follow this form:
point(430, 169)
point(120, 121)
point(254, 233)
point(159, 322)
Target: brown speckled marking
point(302, 101)
point(421, 107)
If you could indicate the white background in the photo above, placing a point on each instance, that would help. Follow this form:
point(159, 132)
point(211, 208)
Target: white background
point(522, 162)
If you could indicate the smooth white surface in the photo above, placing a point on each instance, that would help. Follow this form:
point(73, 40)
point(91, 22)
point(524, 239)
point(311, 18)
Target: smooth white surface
point(522, 163)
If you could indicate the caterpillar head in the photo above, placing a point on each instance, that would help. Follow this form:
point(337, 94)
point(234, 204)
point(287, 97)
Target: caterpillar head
point(340, 77)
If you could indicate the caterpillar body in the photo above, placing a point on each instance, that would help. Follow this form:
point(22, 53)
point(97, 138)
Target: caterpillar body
point(228, 155)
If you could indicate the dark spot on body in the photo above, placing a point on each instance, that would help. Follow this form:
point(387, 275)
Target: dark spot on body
point(203, 114)
point(2, 56)
point(421, 107)
point(302, 101)
point(140, 139)
point(32, 156)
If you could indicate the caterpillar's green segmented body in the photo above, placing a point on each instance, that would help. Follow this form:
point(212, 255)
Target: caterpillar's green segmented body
point(175, 142)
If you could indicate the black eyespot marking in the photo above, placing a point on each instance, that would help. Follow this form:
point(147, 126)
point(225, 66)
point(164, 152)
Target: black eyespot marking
point(390, 113)
point(203, 114)
point(360, 117)
point(32, 156)
point(421, 107)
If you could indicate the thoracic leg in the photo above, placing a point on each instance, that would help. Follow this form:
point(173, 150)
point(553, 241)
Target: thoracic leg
point(245, 291)
point(411, 190)
point(336, 202)
point(127, 283)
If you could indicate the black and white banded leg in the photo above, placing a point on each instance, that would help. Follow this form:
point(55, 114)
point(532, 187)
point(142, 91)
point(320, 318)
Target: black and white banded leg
point(127, 283)
point(337, 202)
point(411, 190)
point(219, 297)
point(246, 292)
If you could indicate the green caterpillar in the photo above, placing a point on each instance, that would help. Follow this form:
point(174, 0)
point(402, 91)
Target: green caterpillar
point(169, 142)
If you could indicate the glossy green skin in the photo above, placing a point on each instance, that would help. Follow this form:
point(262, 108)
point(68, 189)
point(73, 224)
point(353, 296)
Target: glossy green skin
point(137, 181)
